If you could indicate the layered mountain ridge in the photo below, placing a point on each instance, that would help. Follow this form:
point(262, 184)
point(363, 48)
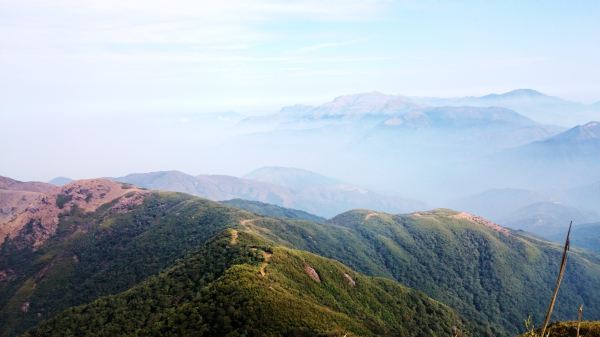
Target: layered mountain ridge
point(491, 276)
point(286, 187)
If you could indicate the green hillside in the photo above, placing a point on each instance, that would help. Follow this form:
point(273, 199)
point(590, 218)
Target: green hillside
point(240, 285)
point(495, 279)
point(100, 253)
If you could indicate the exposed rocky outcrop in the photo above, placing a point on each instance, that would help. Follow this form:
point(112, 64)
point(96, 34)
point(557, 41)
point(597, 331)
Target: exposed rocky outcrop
point(484, 222)
point(312, 273)
point(30, 211)
point(350, 280)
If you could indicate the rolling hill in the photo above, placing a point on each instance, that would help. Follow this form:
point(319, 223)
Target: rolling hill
point(286, 187)
point(494, 278)
point(481, 269)
point(110, 249)
point(240, 285)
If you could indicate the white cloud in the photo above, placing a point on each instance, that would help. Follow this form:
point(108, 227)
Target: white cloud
point(70, 23)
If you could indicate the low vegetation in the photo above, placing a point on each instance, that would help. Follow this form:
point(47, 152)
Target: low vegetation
point(96, 260)
point(568, 329)
point(218, 291)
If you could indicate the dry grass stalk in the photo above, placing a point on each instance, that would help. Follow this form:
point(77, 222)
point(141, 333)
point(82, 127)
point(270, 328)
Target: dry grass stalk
point(579, 318)
point(561, 273)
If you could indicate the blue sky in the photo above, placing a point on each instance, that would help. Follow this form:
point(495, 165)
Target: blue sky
point(126, 57)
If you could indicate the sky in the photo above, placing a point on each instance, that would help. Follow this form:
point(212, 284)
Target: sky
point(72, 56)
point(65, 64)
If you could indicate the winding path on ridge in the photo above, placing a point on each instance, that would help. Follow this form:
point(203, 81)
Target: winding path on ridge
point(234, 237)
point(246, 221)
point(266, 255)
point(263, 266)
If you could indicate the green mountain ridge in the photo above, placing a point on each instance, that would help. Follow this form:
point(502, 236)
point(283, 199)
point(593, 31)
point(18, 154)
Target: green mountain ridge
point(240, 285)
point(100, 253)
point(492, 277)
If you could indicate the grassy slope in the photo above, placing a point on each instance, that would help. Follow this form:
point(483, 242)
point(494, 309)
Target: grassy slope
point(219, 291)
point(493, 279)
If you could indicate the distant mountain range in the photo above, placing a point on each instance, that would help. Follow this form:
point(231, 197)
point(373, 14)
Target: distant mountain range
point(287, 187)
point(544, 213)
point(376, 107)
point(531, 103)
point(404, 140)
point(373, 106)
point(547, 219)
point(585, 236)
point(580, 143)
point(497, 203)
point(563, 160)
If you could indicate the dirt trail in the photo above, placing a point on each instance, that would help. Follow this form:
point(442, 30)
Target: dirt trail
point(245, 222)
point(234, 237)
point(370, 215)
point(263, 266)
point(266, 255)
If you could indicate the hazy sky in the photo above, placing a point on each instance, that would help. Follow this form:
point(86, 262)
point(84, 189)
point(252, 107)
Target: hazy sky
point(68, 63)
point(62, 56)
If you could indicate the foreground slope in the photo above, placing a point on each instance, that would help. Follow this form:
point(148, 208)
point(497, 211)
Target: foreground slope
point(569, 329)
point(240, 285)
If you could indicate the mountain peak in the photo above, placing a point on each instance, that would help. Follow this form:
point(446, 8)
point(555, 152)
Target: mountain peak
point(523, 92)
point(290, 177)
point(373, 102)
point(593, 125)
point(356, 105)
point(588, 131)
point(517, 93)
point(60, 181)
